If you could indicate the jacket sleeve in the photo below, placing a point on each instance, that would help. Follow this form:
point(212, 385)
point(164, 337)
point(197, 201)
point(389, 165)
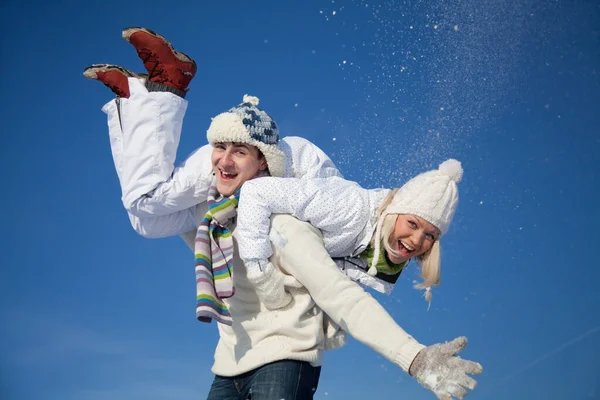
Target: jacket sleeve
point(259, 198)
point(305, 160)
point(186, 187)
point(144, 133)
point(311, 200)
point(346, 303)
point(177, 223)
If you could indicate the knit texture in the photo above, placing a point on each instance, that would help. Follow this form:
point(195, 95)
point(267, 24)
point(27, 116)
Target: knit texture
point(432, 195)
point(159, 87)
point(270, 285)
point(439, 369)
point(214, 258)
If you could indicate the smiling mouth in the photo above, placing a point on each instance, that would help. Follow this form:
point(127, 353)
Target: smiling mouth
point(227, 176)
point(405, 249)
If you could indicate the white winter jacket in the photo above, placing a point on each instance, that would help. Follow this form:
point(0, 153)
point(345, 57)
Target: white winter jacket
point(345, 213)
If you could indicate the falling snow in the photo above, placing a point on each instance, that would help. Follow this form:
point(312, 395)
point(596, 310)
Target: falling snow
point(427, 85)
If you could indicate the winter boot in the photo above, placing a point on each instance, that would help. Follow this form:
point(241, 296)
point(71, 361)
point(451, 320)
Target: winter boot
point(165, 65)
point(113, 76)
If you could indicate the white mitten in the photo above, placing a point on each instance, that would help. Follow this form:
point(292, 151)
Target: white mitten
point(270, 283)
point(440, 370)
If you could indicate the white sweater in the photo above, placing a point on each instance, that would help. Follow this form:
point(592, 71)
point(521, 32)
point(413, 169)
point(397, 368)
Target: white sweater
point(164, 201)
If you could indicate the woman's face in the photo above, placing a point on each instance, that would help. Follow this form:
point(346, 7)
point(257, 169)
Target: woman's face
point(235, 163)
point(412, 236)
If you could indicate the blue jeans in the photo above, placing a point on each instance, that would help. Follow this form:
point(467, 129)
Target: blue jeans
point(286, 379)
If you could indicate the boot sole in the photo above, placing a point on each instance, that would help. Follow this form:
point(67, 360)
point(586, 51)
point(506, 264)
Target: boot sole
point(128, 32)
point(91, 72)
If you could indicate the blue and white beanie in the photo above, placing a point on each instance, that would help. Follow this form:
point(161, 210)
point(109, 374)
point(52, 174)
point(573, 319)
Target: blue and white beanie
point(246, 123)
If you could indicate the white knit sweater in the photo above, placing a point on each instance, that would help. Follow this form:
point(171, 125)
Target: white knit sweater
point(259, 336)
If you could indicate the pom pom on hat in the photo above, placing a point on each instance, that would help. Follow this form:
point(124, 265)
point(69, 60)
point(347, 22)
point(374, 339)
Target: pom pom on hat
point(251, 99)
point(453, 169)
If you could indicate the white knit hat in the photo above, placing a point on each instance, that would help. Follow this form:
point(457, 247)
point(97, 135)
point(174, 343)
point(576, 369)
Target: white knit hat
point(432, 195)
point(246, 123)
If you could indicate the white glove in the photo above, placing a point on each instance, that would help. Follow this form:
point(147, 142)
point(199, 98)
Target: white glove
point(440, 370)
point(270, 284)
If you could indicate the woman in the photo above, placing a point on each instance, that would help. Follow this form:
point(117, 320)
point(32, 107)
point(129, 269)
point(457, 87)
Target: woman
point(378, 230)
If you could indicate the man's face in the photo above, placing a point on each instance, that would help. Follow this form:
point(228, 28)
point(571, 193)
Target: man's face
point(412, 237)
point(235, 163)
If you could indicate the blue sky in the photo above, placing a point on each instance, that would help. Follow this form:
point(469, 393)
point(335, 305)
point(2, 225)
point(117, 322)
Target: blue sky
point(92, 311)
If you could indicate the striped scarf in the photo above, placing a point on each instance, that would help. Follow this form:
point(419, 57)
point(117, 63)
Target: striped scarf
point(214, 258)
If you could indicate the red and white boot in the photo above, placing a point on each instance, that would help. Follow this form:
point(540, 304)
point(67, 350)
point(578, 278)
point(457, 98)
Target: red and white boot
point(113, 76)
point(164, 64)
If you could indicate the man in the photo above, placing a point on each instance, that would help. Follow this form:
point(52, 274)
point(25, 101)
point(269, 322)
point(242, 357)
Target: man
point(262, 354)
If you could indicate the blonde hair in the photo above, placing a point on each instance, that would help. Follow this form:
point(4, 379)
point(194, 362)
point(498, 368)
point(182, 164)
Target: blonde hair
point(429, 262)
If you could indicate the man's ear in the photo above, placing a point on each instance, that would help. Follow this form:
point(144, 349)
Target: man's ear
point(263, 164)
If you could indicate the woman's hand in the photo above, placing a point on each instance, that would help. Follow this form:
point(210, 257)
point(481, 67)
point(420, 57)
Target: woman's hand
point(270, 284)
point(440, 370)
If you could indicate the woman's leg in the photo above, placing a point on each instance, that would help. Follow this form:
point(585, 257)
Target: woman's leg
point(224, 388)
point(286, 379)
